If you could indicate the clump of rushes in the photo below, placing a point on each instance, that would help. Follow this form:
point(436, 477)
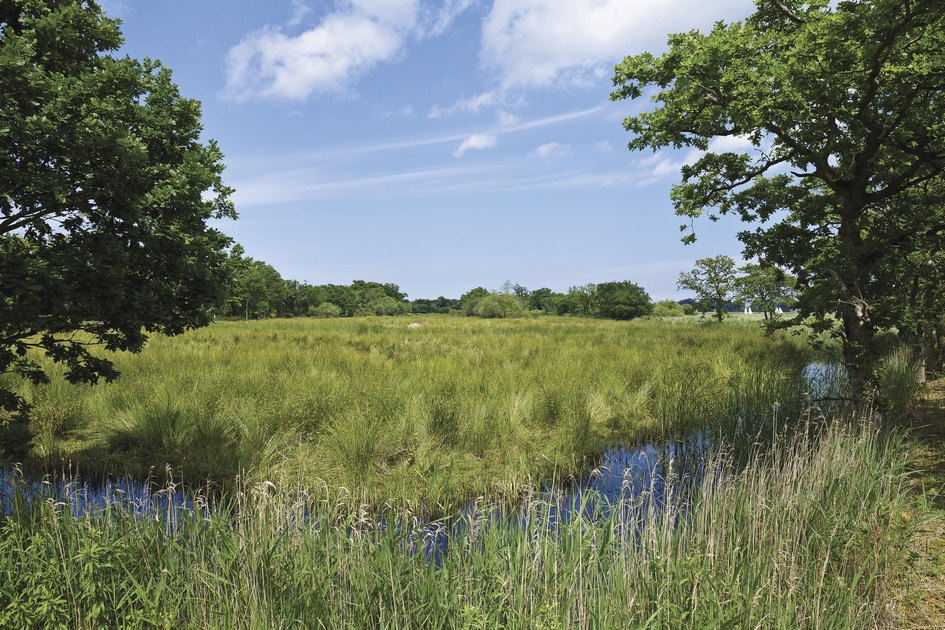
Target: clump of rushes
point(808, 533)
point(458, 408)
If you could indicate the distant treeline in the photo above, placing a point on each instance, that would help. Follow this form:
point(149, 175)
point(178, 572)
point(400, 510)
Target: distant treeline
point(257, 291)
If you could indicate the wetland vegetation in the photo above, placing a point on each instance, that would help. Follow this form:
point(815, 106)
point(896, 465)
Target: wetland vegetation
point(453, 409)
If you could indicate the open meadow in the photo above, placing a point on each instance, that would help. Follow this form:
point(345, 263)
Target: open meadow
point(452, 409)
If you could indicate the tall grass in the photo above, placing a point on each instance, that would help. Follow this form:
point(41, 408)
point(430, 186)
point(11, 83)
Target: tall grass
point(807, 534)
point(899, 386)
point(456, 408)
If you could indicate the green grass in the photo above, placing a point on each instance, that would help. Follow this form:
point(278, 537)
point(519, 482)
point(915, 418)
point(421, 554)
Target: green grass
point(457, 408)
point(807, 534)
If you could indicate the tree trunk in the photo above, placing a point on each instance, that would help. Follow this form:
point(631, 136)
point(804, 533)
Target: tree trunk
point(924, 351)
point(859, 351)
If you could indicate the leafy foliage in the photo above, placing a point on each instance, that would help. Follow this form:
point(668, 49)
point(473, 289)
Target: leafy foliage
point(104, 208)
point(843, 106)
point(714, 282)
point(622, 300)
point(499, 305)
point(765, 288)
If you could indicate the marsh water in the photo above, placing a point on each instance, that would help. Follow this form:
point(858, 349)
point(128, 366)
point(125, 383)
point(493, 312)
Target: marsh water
point(636, 478)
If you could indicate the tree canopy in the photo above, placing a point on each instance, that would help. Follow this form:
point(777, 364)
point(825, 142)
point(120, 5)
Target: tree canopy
point(106, 190)
point(622, 300)
point(843, 107)
point(765, 287)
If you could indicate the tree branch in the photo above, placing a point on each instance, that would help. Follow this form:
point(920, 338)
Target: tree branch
point(788, 13)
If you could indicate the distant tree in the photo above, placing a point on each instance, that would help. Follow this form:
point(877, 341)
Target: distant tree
point(106, 197)
point(341, 296)
point(386, 305)
point(521, 292)
point(499, 305)
point(765, 287)
point(544, 299)
point(580, 299)
point(714, 282)
point(471, 298)
point(622, 300)
point(441, 305)
point(262, 290)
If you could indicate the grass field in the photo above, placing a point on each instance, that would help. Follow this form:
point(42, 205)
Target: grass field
point(453, 409)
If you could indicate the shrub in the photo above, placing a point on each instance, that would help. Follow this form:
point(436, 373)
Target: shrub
point(499, 305)
point(325, 309)
point(899, 385)
point(668, 308)
point(385, 306)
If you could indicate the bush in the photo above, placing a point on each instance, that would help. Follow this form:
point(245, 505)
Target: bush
point(668, 308)
point(899, 385)
point(499, 305)
point(325, 309)
point(385, 306)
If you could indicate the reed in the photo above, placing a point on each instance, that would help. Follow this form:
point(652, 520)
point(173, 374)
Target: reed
point(807, 533)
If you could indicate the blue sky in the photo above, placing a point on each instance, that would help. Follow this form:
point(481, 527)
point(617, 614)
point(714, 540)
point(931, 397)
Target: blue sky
point(437, 145)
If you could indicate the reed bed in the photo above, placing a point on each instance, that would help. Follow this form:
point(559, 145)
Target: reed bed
point(456, 408)
point(806, 533)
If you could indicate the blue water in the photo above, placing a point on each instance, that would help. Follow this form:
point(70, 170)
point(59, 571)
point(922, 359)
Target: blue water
point(825, 380)
point(81, 497)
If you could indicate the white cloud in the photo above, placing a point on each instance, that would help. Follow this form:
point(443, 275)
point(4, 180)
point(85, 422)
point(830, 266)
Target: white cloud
point(469, 105)
point(299, 11)
point(438, 22)
point(535, 43)
point(507, 119)
point(552, 150)
point(348, 42)
point(603, 147)
point(731, 144)
point(664, 163)
point(476, 141)
point(407, 111)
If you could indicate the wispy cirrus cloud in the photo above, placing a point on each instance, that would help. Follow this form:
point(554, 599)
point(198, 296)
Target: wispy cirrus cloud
point(332, 153)
point(468, 104)
point(475, 142)
point(552, 150)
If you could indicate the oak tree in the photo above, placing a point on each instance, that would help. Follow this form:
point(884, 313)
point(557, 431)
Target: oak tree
point(843, 104)
point(106, 194)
